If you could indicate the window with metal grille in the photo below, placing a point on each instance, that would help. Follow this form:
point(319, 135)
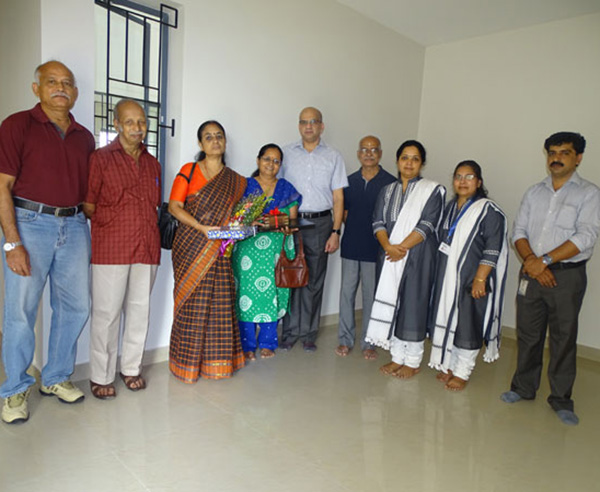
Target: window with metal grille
point(131, 62)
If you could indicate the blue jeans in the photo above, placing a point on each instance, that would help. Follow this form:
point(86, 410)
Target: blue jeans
point(59, 249)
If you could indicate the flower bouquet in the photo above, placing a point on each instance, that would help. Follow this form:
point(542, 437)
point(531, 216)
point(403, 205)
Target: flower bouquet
point(240, 225)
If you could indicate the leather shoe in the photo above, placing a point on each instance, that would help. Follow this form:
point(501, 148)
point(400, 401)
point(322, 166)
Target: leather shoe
point(309, 347)
point(286, 346)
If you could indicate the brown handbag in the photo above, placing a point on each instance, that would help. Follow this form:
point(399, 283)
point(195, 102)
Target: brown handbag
point(291, 273)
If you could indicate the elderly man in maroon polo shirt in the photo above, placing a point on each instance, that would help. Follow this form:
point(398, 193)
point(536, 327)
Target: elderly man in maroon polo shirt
point(43, 180)
point(122, 201)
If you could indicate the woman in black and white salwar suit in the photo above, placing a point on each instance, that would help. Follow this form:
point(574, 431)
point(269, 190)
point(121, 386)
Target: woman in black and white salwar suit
point(405, 221)
point(469, 287)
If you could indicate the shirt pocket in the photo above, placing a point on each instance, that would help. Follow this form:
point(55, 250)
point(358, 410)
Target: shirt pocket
point(566, 218)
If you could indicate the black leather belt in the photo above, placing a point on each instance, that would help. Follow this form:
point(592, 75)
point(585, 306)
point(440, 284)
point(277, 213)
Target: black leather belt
point(314, 215)
point(46, 209)
point(566, 266)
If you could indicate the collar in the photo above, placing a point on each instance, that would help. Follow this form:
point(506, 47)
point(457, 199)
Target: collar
point(38, 113)
point(414, 180)
point(115, 146)
point(374, 177)
point(574, 180)
point(298, 145)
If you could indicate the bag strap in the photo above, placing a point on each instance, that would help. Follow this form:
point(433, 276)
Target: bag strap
point(300, 252)
point(189, 178)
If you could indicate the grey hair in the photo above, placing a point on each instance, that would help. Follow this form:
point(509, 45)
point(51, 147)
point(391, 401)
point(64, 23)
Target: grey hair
point(38, 69)
point(120, 103)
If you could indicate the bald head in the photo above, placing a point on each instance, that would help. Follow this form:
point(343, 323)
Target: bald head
point(312, 112)
point(51, 66)
point(124, 105)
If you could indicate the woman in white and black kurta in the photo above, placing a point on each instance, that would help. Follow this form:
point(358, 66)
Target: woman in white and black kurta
point(469, 286)
point(405, 221)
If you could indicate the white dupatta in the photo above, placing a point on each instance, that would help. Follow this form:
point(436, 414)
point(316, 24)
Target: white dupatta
point(386, 299)
point(447, 314)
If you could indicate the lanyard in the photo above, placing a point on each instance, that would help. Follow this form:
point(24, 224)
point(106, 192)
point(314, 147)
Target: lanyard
point(455, 222)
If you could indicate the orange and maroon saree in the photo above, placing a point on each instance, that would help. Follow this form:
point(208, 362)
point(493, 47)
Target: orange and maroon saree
point(205, 340)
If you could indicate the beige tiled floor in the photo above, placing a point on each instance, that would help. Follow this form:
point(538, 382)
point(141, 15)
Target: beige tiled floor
point(308, 422)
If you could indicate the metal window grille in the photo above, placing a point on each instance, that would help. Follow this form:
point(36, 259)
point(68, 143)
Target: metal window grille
point(131, 64)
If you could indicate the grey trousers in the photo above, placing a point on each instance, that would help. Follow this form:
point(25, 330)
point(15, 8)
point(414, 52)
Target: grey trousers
point(353, 273)
point(556, 309)
point(302, 320)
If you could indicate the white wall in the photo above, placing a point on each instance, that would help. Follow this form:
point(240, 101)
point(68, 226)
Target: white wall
point(254, 65)
point(17, 73)
point(496, 98)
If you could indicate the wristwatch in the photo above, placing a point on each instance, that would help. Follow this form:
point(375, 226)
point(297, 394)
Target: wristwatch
point(337, 231)
point(10, 246)
point(547, 260)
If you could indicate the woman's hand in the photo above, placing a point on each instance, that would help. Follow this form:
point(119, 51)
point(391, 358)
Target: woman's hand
point(478, 289)
point(288, 230)
point(204, 229)
point(395, 252)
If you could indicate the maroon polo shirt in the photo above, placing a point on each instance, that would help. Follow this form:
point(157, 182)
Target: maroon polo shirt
point(126, 195)
point(48, 168)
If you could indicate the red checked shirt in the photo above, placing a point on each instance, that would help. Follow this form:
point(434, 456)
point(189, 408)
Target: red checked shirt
point(126, 195)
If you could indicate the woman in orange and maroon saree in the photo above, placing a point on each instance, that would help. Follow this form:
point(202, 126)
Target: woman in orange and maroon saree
point(205, 340)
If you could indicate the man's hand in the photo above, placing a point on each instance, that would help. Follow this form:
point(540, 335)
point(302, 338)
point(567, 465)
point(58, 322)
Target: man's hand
point(547, 279)
point(333, 243)
point(534, 266)
point(18, 261)
point(395, 252)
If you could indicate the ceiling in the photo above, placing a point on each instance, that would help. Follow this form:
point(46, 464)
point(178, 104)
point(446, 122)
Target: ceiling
point(430, 22)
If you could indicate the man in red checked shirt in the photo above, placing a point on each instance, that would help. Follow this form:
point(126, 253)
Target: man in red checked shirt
point(122, 200)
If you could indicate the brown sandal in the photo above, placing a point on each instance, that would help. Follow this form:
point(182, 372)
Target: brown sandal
point(103, 391)
point(133, 383)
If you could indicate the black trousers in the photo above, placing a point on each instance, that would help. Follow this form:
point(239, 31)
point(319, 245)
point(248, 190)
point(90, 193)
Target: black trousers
point(556, 310)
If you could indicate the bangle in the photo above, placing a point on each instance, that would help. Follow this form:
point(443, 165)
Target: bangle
point(276, 223)
point(479, 279)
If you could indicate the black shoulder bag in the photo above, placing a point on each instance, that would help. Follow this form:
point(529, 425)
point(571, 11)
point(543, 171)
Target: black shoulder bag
point(167, 224)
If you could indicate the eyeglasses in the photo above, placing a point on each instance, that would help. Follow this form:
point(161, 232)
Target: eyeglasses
point(309, 122)
point(464, 177)
point(268, 160)
point(365, 150)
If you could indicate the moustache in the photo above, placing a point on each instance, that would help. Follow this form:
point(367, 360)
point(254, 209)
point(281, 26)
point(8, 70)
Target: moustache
point(61, 94)
point(556, 163)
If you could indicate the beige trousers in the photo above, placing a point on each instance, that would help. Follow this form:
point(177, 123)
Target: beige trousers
point(116, 290)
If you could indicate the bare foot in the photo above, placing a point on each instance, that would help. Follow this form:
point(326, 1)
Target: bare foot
point(405, 372)
point(443, 377)
point(342, 350)
point(370, 354)
point(390, 368)
point(249, 356)
point(266, 353)
point(456, 384)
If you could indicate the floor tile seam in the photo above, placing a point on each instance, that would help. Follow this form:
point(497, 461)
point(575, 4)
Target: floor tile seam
point(129, 470)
